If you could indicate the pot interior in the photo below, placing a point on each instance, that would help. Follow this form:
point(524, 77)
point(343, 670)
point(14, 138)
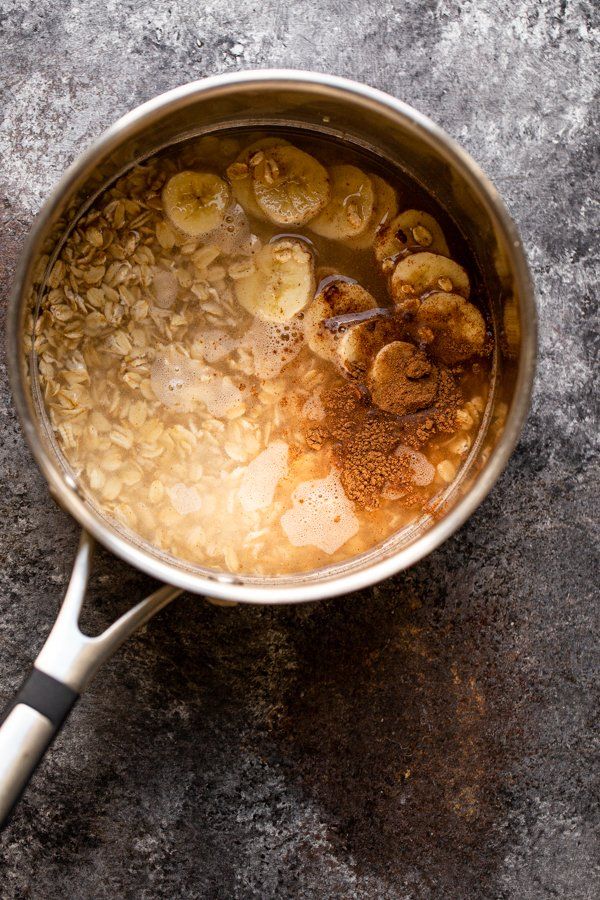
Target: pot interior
point(390, 132)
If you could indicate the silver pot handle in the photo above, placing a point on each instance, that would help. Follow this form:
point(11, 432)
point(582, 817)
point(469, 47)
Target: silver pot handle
point(65, 666)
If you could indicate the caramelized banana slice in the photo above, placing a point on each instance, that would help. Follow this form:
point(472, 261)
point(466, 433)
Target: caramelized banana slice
point(350, 206)
point(282, 283)
point(196, 202)
point(337, 299)
point(359, 344)
point(402, 380)
point(411, 230)
point(421, 272)
point(290, 186)
point(385, 206)
point(239, 174)
point(458, 327)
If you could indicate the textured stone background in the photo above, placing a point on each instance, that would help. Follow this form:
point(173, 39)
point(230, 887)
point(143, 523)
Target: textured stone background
point(436, 736)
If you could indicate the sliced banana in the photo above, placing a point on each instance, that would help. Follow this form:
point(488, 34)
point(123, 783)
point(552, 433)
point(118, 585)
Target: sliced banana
point(196, 202)
point(421, 272)
point(290, 186)
point(457, 326)
point(385, 206)
point(165, 287)
point(282, 282)
point(411, 230)
point(350, 206)
point(336, 299)
point(402, 379)
point(359, 345)
point(240, 174)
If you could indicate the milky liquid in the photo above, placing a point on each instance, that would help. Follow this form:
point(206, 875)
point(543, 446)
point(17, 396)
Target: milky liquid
point(185, 418)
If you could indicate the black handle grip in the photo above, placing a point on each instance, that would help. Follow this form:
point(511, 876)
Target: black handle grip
point(27, 735)
point(45, 694)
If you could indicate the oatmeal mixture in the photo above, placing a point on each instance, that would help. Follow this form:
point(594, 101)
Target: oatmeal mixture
point(263, 355)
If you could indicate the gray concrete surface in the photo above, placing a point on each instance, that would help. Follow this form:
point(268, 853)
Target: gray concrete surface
point(436, 736)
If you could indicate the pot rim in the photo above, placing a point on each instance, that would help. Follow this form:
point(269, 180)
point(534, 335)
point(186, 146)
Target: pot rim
point(222, 585)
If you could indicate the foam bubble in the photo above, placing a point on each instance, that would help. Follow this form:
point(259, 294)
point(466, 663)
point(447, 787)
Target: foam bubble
point(220, 395)
point(165, 287)
point(423, 471)
point(273, 345)
point(176, 380)
point(233, 235)
point(215, 344)
point(262, 476)
point(321, 515)
point(180, 383)
point(184, 499)
point(313, 408)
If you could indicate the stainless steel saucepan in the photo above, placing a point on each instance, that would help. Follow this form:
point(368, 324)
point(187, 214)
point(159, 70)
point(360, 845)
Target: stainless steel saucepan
point(370, 120)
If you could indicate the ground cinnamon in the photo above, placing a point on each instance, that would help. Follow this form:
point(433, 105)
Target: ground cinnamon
point(363, 439)
point(402, 379)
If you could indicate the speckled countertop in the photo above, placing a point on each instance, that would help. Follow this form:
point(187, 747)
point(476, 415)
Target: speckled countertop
point(436, 736)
